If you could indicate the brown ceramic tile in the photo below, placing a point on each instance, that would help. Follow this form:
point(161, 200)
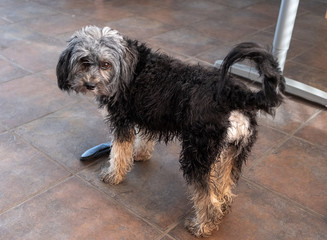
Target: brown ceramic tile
point(67, 4)
point(58, 24)
point(309, 28)
point(185, 41)
point(167, 238)
point(8, 71)
point(317, 7)
point(169, 52)
point(155, 189)
point(239, 3)
point(222, 30)
point(266, 39)
point(9, 3)
point(13, 33)
point(297, 170)
point(105, 13)
point(314, 57)
point(73, 210)
point(96, 9)
point(201, 7)
point(175, 17)
point(23, 171)
point(316, 130)
point(139, 27)
point(28, 98)
point(23, 11)
point(267, 138)
point(37, 55)
point(289, 116)
point(216, 53)
point(270, 8)
point(138, 8)
point(124, 3)
point(73, 130)
point(260, 214)
point(314, 77)
point(249, 18)
point(49, 74)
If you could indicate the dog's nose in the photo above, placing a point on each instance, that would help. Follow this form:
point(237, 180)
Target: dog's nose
point(89, 85)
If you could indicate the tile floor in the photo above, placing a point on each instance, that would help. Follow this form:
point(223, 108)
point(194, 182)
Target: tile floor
point(47, 193)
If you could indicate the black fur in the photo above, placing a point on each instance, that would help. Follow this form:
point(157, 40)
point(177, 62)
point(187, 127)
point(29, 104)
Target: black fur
point(210, 111)
point(166, 98)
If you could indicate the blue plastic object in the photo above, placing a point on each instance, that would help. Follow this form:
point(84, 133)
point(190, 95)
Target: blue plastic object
point(96, 152)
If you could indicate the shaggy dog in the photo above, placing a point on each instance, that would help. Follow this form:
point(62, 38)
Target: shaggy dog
point(150, 96)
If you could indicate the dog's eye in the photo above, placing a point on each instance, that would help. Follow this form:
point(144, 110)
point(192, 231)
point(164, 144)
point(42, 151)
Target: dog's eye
point(105, 65)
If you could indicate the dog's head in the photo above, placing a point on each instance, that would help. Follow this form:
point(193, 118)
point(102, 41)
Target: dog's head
point(96, 60)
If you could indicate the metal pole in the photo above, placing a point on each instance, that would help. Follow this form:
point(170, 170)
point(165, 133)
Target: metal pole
point(284, 29)
point(281, 43)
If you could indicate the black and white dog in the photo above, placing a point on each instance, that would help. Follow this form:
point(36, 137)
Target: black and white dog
point(150, 96)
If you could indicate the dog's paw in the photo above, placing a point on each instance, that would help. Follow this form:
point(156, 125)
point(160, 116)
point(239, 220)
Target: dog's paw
point(199, 229)
point(141, 157)
point(110, 177)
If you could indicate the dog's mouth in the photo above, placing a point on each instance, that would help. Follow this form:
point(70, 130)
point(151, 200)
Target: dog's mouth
point(90, 87)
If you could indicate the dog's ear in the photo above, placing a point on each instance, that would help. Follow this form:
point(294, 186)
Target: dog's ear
point(128, 64)
point(124, 61)
point(64, 67)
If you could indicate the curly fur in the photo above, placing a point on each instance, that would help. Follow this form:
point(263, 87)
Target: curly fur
point(210, 111)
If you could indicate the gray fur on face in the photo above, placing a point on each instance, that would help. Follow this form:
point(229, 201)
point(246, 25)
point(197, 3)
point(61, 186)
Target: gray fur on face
point(80, 64)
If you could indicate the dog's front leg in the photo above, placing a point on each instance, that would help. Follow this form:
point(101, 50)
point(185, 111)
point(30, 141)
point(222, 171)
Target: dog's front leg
point(143, 148)
point(121, 161)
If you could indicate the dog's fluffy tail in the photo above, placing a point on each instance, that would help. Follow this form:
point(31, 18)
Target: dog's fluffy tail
point(273, 84)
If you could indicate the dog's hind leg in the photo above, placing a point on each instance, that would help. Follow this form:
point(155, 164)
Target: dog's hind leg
point(212, 203)
point(143, 148)
point(121, 161)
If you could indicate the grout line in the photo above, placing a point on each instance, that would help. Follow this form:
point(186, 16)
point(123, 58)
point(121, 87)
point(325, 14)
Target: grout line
point(45, 115)
point(313, 116)
point(124, 206)
point(277, 146)
point(301, 53)
point(311, 143)
point(37, 193)
point(304, 65)
point(41, 152)
point(268, 152)
point(70, 171)
point(286, 138)
point(299, 205)
point(179, 220)
point(7, 20)
point(29, 72)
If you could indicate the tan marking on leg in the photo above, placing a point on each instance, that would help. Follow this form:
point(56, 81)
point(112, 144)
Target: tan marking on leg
point(210, 207)
point(206, 217)
point(221, 180)
point(121, 161)
point(143, 148)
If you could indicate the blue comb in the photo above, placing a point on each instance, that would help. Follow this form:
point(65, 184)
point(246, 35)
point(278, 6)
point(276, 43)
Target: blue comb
point(96, 152)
